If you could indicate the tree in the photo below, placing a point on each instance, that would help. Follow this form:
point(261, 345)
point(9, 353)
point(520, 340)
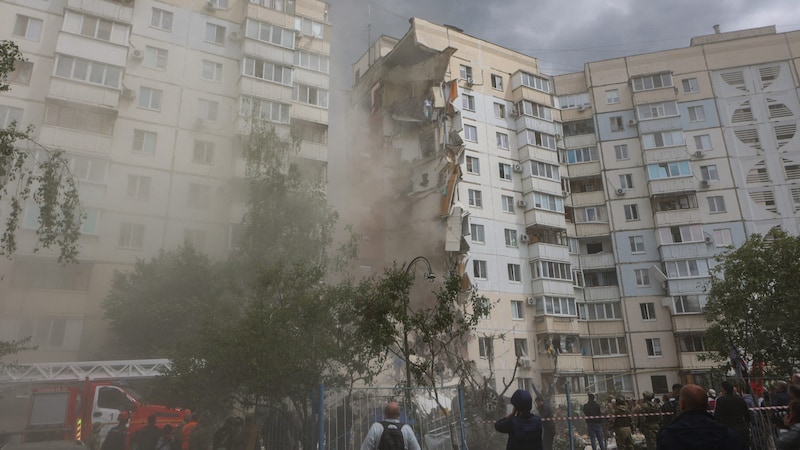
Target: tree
point(751, 299)
point(31, 173)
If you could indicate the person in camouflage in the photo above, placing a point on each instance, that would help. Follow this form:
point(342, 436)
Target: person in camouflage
point(622, 425)
point(648, 419)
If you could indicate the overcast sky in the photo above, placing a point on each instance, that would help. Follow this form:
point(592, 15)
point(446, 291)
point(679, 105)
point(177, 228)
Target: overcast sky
point(562, 34)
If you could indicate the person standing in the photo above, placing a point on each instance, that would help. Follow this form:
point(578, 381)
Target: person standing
point(390, 432)
point(623, 424)
point(186, 431)
point(648, 419)
point(594, 423)
point(166, 439)
point(548, 422)
point(115, 439)
point(790, 440)
point(524, 429)
point(147, 437)
point(671, 406)
point(732, 411)
point(695, 428)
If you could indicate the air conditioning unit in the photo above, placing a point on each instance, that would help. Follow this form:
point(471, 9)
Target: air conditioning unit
point(514, 112)
point(523, 238)
point(522, 203)
point(698, 154)
point(708, 239)
point(470, 81)
point(128, 93)
point(525, 362)
point(236, 36)
point(704, 183)
point(581, 108)
point(559, 137)
point(564, 193)
point(631, 123)
point(137, 54)
point(620, 191)
point(211, 6)
point(517, 168)
point(531, 301)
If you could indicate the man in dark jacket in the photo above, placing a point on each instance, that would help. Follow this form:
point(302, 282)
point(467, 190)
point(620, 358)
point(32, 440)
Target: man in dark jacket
point(695, 428)
point(147, 437)
point(548, 424)
point(732, 411)
point(595, 424)
point(523, 428)
point(115, 439)
point(623, 424)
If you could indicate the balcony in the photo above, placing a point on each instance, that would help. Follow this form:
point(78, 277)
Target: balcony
point(83, 93)
point(584, 169)
point(119, 12)
point(536, 124)
point(655, 95)
point(602, 327)
point(660, 124)
point(310, 113)
point(590, 229)
point(264, 89)
point(678, 217)
point(54, 136)
point(92, 49)
point(611, 363)
point(667, 154)
point(553, 324)
point(581, 199)
point(692, 250)
point(566, 362)
point(597, 260)
point(689, 323)
point(598, 294)
point(521, 92)
point(691, 361)
point(269, 52)
point(681, 286)
point(672, 185)
point(541, 286)
point(530, 184)
point(528, 151)
point(551, 252)
point(313, 151)
point(545, 218)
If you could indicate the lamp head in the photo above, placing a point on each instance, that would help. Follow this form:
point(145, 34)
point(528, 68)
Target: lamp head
point(430, 276)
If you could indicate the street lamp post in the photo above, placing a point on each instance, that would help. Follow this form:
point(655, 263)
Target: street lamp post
point(430, 277)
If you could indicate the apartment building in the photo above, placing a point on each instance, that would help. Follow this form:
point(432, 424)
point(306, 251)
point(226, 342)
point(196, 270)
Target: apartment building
point(587, 207)
point(150, 100)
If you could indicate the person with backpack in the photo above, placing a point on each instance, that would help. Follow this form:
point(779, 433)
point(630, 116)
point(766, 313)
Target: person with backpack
point(523, 428)
point(390, 433)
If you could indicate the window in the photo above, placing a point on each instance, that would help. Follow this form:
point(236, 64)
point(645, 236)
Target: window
point(574, 101)
point(311, 95)
point(215, 34)
point(590, 214)
point(468, 102)
point(88, 71)
point(28, 27)
point(78, 118)
point(599, 278)
point(600, 311)
point(520, 347)
point(702, 142)
point(312, 61)
point(196, 238)
point(548, 201)
point(282, 37)
point(716, 204)
point(514, 273)
point(697, 114)
point(621, 152)
point(535, 82)
point(510, 237)
point(592, 248)
point(150, 98)
point(85, 168)
point(473, 165)
point(529, 108)
point(9, 115)
point(544, 170)
point(207, 110)
point(37, 273)
point(502, 140)
point(662, 139)
point(693, 343)
point(684, 268)
point(551, 269)
point(612, 96)
point(264, 109)
point(308, 27)
point(723, 237)
point(96, 28)
point(497, 82)
point(648, 311)
point(22, 72)
point(505, 171)
point(688, 304)
point(608, 346)
point(89, 225)
point(631, 212)
point(161, 19)
point(642, 277)
point(637, 244)
point(203, 152)
point(582, 155)
point(517, 309)
point(470, 133)
point(616, 123)
point(556, 306)
point(653, 346)
point(626, 181)
point(578, 127)
point(648, 82)
point(675, 202)
point(508, 203)
point(668, 170)
point(499, 111)
point(198, 196)
point(131, 236)
point(465, 72)
point(539, 139)
point(267, 70)
point(477, 233)
point(479, 269)
point(138, 187)
point(47, 333)
point(680, 234)
point(610, 383)
point(220, 4)
point(656, 110)
point(144, 142)
point(709, 172)
point(690, 85)
point(475, 198)
point(485, 348)
point(212, 71)
point(155, 58)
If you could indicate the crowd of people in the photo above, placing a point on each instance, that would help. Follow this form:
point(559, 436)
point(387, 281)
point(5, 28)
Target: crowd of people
point(194, 433)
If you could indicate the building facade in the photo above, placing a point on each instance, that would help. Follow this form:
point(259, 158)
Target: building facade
point(150, 100)
point(587, 207)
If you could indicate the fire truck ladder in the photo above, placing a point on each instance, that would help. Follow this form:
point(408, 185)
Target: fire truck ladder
point(79, 371)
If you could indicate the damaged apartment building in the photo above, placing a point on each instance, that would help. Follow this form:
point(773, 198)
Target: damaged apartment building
point(587, 207)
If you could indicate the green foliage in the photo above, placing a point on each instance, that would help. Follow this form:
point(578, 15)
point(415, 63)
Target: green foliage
point(30, 173)
point(753, 292)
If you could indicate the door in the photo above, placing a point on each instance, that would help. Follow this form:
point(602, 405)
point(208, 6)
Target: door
point(107, 404)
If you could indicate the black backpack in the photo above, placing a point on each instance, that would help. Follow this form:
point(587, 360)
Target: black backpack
point(392, 436)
